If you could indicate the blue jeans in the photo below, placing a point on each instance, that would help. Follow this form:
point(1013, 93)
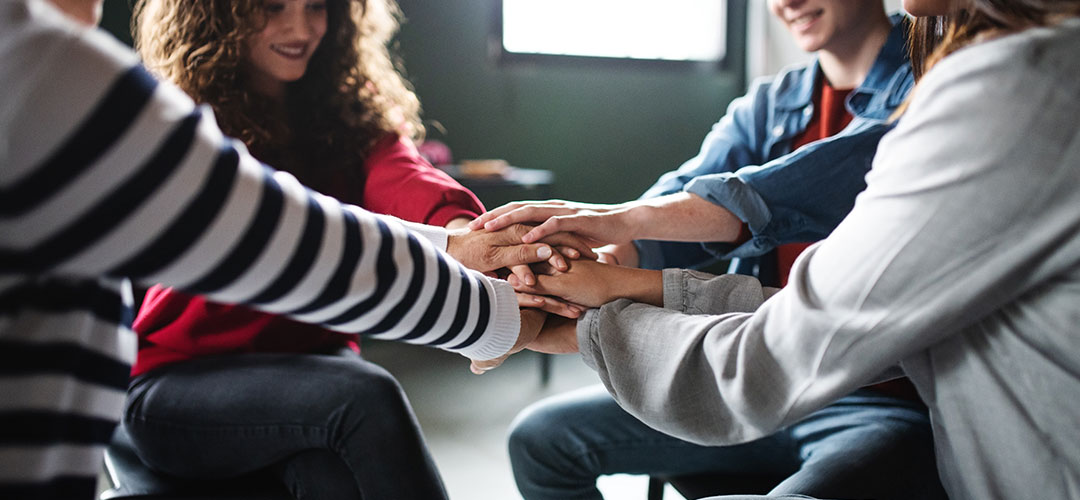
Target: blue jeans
point(328, 426)
point(866, 445)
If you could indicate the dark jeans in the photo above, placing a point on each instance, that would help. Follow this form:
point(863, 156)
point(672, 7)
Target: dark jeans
point(329, 426)
point(865, 445)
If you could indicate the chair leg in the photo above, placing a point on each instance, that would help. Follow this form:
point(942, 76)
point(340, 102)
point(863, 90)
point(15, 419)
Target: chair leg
point(545, 369)
point(656, 488)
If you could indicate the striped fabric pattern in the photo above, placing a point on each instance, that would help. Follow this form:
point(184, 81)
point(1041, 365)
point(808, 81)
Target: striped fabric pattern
point(107, 175)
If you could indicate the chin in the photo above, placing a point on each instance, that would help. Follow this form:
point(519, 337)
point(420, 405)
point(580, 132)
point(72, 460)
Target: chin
point(927, 8)
point(290, 77)
point(808, 45)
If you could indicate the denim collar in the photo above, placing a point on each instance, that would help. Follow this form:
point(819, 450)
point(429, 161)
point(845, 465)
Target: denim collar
point(892, 57)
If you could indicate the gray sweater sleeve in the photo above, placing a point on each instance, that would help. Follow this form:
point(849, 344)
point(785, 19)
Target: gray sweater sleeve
point(623, 340)
point(956, 263)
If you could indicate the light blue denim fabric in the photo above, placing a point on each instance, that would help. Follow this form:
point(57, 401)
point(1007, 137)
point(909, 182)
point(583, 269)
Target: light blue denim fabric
point(746, 164)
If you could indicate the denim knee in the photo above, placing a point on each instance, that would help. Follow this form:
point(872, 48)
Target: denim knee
point(530, 435)
point(539, 436)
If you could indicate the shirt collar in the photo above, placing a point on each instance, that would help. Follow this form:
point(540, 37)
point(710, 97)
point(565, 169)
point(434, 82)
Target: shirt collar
point(892, 57)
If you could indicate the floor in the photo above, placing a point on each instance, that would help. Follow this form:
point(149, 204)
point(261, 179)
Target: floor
point(465, 416)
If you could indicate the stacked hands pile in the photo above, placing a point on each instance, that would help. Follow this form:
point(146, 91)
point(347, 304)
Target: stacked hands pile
point(581, 271)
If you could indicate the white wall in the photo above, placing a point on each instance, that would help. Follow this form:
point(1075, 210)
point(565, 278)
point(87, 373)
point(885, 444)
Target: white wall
point(769, 47)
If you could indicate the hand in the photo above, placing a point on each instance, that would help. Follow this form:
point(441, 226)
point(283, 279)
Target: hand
point(551, 305)
point(532, 321)
point(490, 250)
point(523, 273)
point(625, 254)
point(597, 224)
point(593, 284)
point(558, 336)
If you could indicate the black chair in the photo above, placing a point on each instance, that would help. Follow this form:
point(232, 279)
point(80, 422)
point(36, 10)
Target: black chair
point(131, 479)
point(696, 486)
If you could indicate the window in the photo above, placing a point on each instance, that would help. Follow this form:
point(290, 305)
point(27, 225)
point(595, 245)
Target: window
point(671, 30)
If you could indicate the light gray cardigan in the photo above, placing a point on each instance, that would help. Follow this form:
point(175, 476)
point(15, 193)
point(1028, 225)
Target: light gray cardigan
point(960, 263)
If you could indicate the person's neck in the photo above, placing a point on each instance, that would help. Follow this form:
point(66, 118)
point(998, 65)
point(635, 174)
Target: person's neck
point(275, 91)
point(85, 11)
point(847, 63)
point(266, 86)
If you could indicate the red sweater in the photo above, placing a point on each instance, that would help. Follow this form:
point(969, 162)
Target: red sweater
point(173, 327)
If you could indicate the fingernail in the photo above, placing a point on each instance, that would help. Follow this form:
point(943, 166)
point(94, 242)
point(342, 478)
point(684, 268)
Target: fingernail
point(538, 300)
point(560, 263)
point(573, 254)
point(529, 280)
point(513, 280)
point(544, 252)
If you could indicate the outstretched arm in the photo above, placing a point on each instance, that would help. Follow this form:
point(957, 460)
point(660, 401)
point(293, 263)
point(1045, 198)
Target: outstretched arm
point(593, 284)
point(675, 217)
point(125, 177)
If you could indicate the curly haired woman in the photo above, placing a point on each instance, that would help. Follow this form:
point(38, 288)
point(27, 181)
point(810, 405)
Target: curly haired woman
point(310, 87)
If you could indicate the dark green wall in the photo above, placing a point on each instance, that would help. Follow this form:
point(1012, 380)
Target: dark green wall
point(607, 132)
point(116, 18)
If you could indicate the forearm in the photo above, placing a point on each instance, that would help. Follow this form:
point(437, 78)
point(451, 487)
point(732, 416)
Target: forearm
point(639, 285)
point(704, 347)
point(682, 217)
point(458, 223)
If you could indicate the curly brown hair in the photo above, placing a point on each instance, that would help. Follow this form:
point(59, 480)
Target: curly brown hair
point(351, 95)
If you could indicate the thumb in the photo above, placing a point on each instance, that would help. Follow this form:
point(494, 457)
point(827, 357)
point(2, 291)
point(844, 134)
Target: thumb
point(513, 255)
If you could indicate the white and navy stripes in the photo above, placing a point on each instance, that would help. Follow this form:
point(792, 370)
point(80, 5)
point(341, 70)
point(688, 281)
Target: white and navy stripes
point(106, 175)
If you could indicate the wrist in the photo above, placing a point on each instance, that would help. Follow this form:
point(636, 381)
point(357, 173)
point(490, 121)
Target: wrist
point(639, 218)
point(626, 254)
point(645, 286)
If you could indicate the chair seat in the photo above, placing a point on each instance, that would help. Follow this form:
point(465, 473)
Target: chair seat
point(130, 478)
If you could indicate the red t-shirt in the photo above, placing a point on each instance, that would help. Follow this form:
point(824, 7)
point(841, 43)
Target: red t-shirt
point(173, 326)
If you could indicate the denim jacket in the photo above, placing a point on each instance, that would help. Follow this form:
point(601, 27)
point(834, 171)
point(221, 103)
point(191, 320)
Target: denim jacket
point(746, 164)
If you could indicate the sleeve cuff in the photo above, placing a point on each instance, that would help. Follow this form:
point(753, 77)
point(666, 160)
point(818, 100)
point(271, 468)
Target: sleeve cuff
point(586, 327)
point(435, 234)
point(504, 327)
point(729, 191)
point(674, 289)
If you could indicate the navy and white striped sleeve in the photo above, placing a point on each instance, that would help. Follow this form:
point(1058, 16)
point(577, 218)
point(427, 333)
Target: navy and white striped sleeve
point(146, 187)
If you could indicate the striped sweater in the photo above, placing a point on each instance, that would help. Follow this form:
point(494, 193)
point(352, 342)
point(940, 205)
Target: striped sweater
point(107, 175)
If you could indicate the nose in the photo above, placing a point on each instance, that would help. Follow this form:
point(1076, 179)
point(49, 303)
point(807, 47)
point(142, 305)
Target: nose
point(299, 22)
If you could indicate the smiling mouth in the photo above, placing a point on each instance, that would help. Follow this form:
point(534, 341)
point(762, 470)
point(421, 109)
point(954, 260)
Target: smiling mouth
point(290, 51)
point(805, 18)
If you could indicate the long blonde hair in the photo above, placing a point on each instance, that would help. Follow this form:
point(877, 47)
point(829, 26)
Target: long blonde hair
point(351, 95)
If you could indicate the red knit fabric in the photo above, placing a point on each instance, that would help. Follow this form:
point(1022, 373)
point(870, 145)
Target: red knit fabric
point(173, 326)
